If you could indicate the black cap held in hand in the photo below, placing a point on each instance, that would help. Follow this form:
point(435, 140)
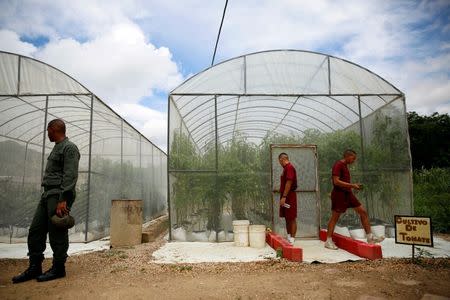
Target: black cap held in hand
point(65, 222)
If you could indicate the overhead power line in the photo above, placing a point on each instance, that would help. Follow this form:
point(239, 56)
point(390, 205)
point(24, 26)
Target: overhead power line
point(218, 34)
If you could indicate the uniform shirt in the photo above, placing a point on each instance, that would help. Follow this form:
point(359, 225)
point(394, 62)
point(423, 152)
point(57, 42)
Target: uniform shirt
point(289, 173)
point(61, 172)
point(340, 169)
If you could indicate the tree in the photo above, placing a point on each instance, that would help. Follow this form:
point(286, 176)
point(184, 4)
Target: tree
point(430, 140)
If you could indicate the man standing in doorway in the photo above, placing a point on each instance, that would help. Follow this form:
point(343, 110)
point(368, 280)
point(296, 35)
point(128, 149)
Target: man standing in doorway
point(288, 201)
point(52, 214)
point(342, 198)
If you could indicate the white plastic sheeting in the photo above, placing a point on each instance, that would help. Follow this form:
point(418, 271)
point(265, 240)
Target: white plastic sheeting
point(25, 76)
point(282, 91)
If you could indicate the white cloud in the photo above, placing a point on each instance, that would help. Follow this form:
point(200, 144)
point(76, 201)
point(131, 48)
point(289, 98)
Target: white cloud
point(375, 34)
point(106, 44)
point(120, 66)
point(427, 95)
point(10, 42)
point(426, 83)
point(81, 19)
point(152, 123)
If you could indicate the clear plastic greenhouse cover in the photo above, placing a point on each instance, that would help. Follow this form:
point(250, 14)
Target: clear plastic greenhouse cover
point(223, 120)
point(117, 162)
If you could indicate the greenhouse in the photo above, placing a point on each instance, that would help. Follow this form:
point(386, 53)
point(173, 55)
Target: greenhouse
point(117, 162)
point(228, 124)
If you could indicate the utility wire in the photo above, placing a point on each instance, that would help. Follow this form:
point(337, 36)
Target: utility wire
point(218, 34)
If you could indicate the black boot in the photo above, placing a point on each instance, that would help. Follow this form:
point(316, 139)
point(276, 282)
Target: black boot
point(57, 270)
point(34, 270)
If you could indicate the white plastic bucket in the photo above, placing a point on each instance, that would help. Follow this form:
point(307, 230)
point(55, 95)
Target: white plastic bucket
point(357, 233)
point(240, 231)
point(378, 230)
point(390, 231)
point(257, 236)
point(342, 231)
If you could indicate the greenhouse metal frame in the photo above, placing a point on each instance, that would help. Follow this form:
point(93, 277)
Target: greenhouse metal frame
point(292, 97)
point(117, 162)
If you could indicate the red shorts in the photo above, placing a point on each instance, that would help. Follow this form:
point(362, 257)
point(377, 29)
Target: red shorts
point(341, 200)
point(291, 212)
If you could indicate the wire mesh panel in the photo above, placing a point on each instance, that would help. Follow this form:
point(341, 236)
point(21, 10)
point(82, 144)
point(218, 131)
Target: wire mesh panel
point(387, 167)
point(106, 158)
point(21, 151)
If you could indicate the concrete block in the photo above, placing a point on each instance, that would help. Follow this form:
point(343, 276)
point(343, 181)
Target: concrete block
point(126, 223)
point(289, 252)
point(146, 238)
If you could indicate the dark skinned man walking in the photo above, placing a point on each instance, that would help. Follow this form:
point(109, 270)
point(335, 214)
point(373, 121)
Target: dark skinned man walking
point(288, 201)
point(343, 198)
point(60, 178)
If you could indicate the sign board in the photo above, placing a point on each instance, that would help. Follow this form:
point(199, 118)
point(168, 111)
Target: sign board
point(413, 230)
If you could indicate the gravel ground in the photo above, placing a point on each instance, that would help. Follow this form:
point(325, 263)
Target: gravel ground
point(129, 273)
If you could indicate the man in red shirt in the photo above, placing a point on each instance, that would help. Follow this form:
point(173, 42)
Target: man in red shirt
point(288, 201)
point(342, 198)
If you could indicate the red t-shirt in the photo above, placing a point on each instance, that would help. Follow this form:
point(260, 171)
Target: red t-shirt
point(340, 169)
point(289, 173)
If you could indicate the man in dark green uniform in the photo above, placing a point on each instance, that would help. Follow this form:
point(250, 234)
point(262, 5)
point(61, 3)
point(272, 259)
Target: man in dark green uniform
point(60, 178)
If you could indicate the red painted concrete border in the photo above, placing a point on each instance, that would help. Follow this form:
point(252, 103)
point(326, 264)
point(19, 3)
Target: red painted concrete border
point(356, 247)
point(289, 252)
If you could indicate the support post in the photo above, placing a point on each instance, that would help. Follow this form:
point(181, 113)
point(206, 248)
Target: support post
point(329, 76)
point(245, 75)
point(86, 228)
point(44, 138)
point(18, 75)
point(168, 163)
point(216, 201)
point(121, 160)
point(24, 169)
point(361, 136)
point(141, 173)
point(408, 140)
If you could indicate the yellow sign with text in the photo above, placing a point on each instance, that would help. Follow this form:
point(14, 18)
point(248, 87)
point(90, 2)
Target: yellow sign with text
point(413, 230)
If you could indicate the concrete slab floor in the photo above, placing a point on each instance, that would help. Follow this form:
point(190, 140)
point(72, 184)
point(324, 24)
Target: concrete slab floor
point(198, 252)
point(19, 251)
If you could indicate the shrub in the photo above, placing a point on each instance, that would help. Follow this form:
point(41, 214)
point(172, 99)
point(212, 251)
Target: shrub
point(432, 196)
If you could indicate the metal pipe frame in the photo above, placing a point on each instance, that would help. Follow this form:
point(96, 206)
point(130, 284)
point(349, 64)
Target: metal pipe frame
point(44, 139)
point(249, 122)
point(286, 50)
point(89, 171)
point(287, 101)
point(264, 121)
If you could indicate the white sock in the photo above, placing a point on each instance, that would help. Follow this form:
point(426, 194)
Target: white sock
point(329, 239)
point(369, 235)
point(289, 236)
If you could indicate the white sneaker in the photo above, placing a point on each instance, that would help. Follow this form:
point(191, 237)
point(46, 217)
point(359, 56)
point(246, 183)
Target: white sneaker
point(291, 240)
point(329, 244)
point(372, 239)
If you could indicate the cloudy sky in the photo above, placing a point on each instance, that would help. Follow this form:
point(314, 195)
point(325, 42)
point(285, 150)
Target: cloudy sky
point(131, 53)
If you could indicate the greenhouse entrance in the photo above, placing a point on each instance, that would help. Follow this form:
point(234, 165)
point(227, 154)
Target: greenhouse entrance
point(304, 159)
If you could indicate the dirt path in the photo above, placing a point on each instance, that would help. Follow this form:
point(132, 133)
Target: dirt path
point(130, 274)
